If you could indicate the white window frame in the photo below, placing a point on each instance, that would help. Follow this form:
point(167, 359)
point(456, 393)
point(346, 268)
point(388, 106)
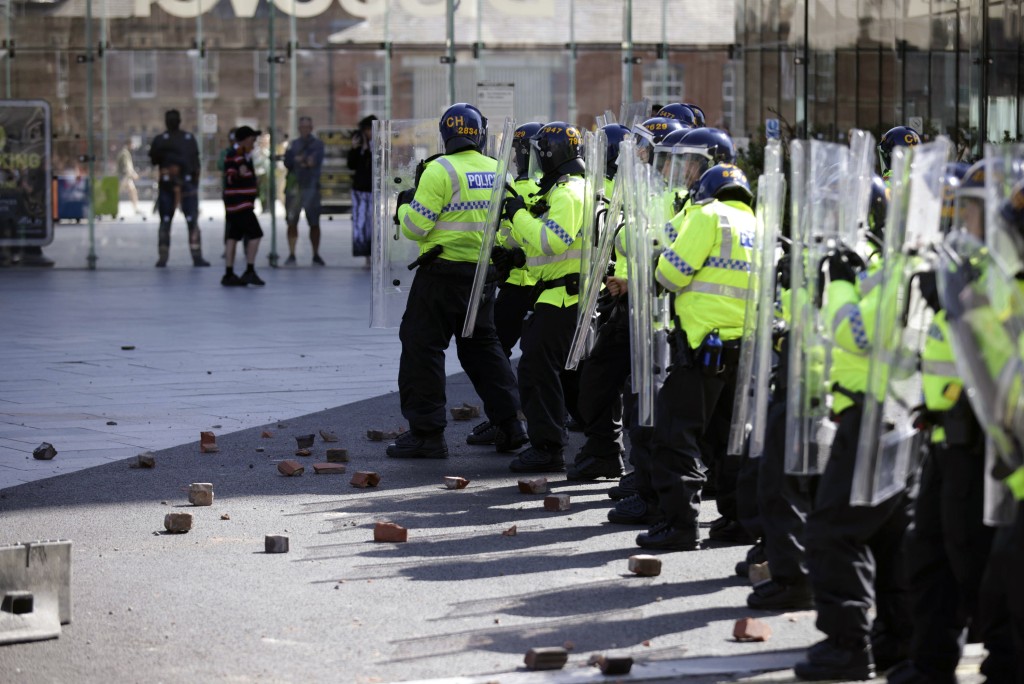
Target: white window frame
point(676, 84)
point(205, 73)
point(372, 88)
point(142, 66)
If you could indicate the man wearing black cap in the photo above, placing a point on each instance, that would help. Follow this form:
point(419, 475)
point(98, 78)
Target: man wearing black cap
point(303, 159)
point(241, 188)
point(176, 154)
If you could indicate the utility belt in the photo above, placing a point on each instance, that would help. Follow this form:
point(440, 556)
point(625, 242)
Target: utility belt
point(713, 356)
point(856, 397)
point(571, 283)
point(443, 268)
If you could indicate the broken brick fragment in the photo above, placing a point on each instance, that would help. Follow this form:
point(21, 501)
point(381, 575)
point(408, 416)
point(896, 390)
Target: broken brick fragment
point(538, 486)
point(461, 413)
point(556, 502)
point(758, 573)
point(615, 665)
point(303, 452)
point(200, 494)
point(328, 436)
point(456, 482)
point(178, 522)
point(751, 629)
point(546, 658)
point(337, 455)
point(290, 468)
point(328, 468)
point(375, 435)
point(266, 434)
point(304, 441)
point(44, 452)
point(143, 460)
point(208, 443)
point(389, 532)
point(363, 479)
point(510, 532)
point(275, 543)
point(645, 565)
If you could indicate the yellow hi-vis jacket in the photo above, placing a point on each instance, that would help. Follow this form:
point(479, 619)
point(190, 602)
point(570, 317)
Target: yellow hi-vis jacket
point(940, 381)
point(851, 310)
point(450, 205)
point(708, 267)
point(525, 188)
point(552, 240)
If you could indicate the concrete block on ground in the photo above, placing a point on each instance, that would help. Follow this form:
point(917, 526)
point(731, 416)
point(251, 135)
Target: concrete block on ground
point(363, 479)
point(452, 482)
point(751, 629)
point(389, 532)
point(329, 468)
point(303, 452)
point(275, 543)
point(645, 565)
point(304, 441)
point(44, 452)
point(200, 493)
point(546, 658)
point(759, 572)
point(328, 436)
point(337, 455)
point(290, 468)
point(178, 522)
point(537, 486)
point(556, 502)
point(208, 443)
point(144, 460)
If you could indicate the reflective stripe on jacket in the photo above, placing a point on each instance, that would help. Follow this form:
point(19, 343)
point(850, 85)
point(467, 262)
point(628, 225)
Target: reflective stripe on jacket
point(850, 312)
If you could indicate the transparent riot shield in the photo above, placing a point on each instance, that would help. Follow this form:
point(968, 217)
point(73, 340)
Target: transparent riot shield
point(817, 172)
point(1005, 170)
point(398, 147)
point(595, 149)
point(632, 113)
point(912, 228)
point(856, 186)
point(502, 178)
point(752, 387)
point(999, 507)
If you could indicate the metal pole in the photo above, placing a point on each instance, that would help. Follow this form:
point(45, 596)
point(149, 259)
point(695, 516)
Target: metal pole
point(90, 153)
point(664, 53)
point(451, 51)
point(272, 92)
point(387, 60)
point(627, 47)
point(104, 104)
point(293, 96)
point(9, 15)
point(479, 56)
point(200, 90)
point(573, 109)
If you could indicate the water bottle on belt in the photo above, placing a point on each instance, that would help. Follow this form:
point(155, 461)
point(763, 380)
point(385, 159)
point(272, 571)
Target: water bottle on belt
point(709, 355)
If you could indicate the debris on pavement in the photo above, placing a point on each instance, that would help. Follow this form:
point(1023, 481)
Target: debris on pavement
point(337, 455)
point(200, 493)
point(759, 572)
point(456, 482)
point(111, 422)
point(465, 412)
point(556, 502)
point(208, 443)
point(225, 516)
point(538, 486)
point(510, 532)
point(546, 658)
point(614, 665)
point(275, 543)
point(44, 452)
point(645, 565)
point(290, 468)
point(751, 629)
point(303, 452)
point(127, 347)
point(328, 436)
point(381, 435)
point(266, 434)
point(178, 522)
point(144, 460)
point(363, 479)
point(328, 468)
point(304, 441)
point(389, 532)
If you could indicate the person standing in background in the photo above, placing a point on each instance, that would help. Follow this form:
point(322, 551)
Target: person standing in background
point(304, 159)
point(128, 174)
point(360, 160)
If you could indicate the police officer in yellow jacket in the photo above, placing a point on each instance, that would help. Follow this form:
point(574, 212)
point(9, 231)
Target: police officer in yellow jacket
point(550, 247)
point(854, 553)
point(448, 209)
point(707, 268)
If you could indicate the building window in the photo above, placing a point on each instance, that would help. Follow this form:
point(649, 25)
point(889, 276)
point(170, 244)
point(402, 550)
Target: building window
point(261, 75)
point(729, 99)
point(205, 74)
point(63, 73)
point(664, 84)
point(372, 95)
point(143, 73)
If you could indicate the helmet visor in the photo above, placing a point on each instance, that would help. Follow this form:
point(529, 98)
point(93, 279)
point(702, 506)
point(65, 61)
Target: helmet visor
point(969, 212)
point(687, 166)
point(536, 169)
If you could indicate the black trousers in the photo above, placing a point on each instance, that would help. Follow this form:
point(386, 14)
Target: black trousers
point(1001, 605)
point(947, 547)
point(435, 311)
point(189, 209)
point(601, 379)
point(854, 553)
point(509, 311)
point(547, 335)
point(689, 408)
point(748, 514)
point(783, 502)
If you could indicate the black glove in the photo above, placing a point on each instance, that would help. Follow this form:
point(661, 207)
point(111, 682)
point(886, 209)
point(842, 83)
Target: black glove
point(539, 208)
point(784, 272)
point(405, 196)
point(512, 205)
point(929, 290)
point(505, 259)
point(840, 268)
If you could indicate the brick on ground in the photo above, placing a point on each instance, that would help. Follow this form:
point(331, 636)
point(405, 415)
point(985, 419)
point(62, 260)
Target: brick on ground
point(329, 468)
point(363, 479)
point(751, 629)
point(44, 452)
point(537, 486)
point(304, 441)
point(389, 532)
point(456, 482)
point(328, 436)
point(275, 543)
point(208, 443)
point(290, 468)
point(556, 502)
point(337, 455)
point(200, 493)
point(645, 565)
point(546, 658)
point(178, 522)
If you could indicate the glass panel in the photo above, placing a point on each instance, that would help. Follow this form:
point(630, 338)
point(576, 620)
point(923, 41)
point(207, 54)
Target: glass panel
point(943, 92)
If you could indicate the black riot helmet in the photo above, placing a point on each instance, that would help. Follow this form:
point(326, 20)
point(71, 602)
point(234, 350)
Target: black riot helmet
point(614, 134)
point(878, 207)
point(521, 147)
point(650, 133)
point(463, 127)
point(723, 182)
point(680, 113)
point(900, 136)
point(700, 121)
point(556, 149)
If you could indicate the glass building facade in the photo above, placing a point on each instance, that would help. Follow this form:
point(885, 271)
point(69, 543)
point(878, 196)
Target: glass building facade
point(950, 67)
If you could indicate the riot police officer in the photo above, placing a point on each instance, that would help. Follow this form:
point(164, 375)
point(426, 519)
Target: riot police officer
point(898, 136)
point(446, 211)
point(550, 247)
point(176, 155)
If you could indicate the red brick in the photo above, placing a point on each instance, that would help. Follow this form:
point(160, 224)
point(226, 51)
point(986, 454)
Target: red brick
point(328, 436)
point(337, 455)
point(751, 629)
point(389, 532)
point(290, 468)
point(510, 532)
point(615, 665)
point(556, 502)
point(303, 452)
point(548, 658)
point(178, 522)
point(645, 565)
point(456, 482)
point(304, 441)
point(363, 479)
point(538, 486)
point(208, 443)
point(328, 468)
point(267, 434)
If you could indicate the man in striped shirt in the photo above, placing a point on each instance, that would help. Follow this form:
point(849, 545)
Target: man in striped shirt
point(241, 188)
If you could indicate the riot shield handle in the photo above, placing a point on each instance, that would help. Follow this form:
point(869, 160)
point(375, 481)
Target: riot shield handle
point(427, 257)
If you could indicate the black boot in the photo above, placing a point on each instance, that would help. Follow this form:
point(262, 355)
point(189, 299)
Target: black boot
point(772, 595)
point(591, 467)
point(667, 538)
point(634, 510)
point(412, 445)
point(510, 436)
point(483, 434)
point(832, 659)
point(533, 460)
